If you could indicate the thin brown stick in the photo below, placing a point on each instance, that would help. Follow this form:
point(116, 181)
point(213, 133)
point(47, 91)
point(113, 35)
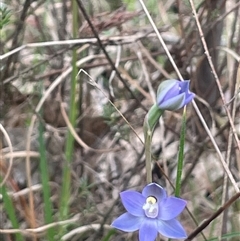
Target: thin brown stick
point(82, 8)
point(214, 216)
point(214, 73)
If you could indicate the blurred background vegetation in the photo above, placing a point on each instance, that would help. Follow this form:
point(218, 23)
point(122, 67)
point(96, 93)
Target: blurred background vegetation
point(72, 150)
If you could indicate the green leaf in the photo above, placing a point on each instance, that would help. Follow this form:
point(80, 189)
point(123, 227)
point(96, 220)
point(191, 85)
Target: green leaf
point(181, 156)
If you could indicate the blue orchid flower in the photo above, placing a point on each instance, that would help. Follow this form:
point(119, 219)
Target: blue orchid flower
point(151, 212)
point(173, 94)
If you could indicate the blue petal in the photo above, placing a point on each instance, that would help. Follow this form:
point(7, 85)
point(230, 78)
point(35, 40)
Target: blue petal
point(173, 94)
point(127, 222)
point(174, 91)
point(189, 97)
point(185, 89)
point(174, 103)
point(184, 86)
point(148, 231)
point(170, 208)
point(171, 229)
point(164, 88)
point(155, 190)
point(133, 202)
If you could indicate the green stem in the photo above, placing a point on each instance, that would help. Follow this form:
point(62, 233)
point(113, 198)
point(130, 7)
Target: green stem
point(150, 122)
point(65, 195)
point(181, 155)
point(148, 156)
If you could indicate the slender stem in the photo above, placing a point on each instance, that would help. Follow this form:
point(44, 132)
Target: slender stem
point(150, 122)
point(148, 156)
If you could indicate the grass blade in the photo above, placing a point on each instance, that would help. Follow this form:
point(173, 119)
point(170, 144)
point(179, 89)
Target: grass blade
point(10, 209)
point(65, 195)
point(181, 155)
point(45, 183)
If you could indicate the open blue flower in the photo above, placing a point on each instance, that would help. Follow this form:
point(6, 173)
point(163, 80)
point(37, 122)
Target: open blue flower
point(151, 212)
point(173, 94)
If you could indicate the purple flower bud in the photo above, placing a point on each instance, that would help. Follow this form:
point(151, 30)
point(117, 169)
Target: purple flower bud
point(173, 94)
point(151, 212)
